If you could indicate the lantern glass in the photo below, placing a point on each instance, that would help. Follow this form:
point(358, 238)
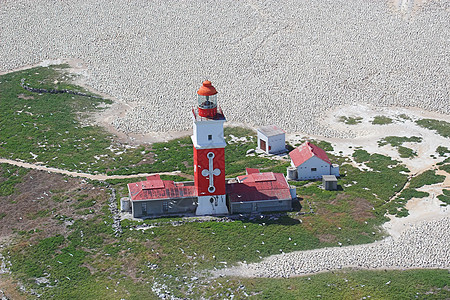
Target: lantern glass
point(207, 102)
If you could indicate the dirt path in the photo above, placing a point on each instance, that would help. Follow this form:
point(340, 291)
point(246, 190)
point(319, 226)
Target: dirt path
point(77, 174)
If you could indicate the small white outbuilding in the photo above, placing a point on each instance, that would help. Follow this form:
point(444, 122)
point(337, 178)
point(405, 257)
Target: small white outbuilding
point(310, 162)
point(271, 139)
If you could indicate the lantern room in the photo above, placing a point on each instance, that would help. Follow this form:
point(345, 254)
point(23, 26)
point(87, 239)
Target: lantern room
point(207, 100)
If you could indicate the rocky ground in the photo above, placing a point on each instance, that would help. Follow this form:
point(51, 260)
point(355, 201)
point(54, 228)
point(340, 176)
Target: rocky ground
point(424, 245)
point(272, 62)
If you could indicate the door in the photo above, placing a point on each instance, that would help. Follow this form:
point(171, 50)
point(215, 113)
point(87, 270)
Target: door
point(144, 209)
point(262, 145)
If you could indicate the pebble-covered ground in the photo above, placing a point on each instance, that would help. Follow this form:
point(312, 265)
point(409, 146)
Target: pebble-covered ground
point(282, 62)
point(424, 245)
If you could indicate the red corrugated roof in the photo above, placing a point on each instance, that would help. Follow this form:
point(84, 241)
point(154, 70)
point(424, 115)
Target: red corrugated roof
point(305, 151)
point(258, 187)
point(159, 190)
point(251, 170)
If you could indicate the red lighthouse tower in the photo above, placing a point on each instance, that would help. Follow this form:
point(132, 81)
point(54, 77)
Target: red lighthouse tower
point(209, 153)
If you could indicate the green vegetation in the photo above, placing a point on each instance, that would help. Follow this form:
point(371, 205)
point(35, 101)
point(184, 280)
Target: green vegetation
point(406, 152)
point(396, 206)
point(397, 141)
point(12, 175)
point(84, 259)
point(375, 182)
point(445, 197)
point(442, 151)
point(39, 214)
point(63, 262)
point(410, 193)
point(89, 262)
point(404, 117)
point(381, 120)
point(423, 284)
point(426, 178)
point(445, 168)
point(52, 128)
point(441, 127)
point(236, 159)
point(350, 120)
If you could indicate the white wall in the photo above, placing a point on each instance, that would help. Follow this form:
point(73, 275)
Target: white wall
point(210, 127)
point(334, 170)
point(276, 142)
point(217, 207)
point(304, 170)
point(260, 137)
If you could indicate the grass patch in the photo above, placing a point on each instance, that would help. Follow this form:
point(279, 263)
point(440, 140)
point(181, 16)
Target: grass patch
point(10, 176)
point(406, 152)
point(426, 284)
point(2, 215)
point(442, 151)
point(396, 141)
point(426, 178)
point(373, 184)
point(52, 128)
point(404, 117)
point(236, 159)
point(381, 120)
point(167, 255)
point(410, 193)
point(39, 214)
point(441, 127)
point(350, 120)
point(445, 168)
point(445, 197)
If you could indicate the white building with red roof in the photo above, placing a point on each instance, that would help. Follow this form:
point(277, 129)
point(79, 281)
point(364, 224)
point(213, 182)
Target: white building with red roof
point(155, 196)
point(260, 192)
point(209, 193)
point(311, 162)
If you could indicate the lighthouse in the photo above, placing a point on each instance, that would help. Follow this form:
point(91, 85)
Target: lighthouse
point(209, 153)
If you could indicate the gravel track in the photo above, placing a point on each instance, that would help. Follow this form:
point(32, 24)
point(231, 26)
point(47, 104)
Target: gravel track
point(78, 174)
point(424, 245)
point(283, 62)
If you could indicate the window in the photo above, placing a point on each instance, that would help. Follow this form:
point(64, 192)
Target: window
point(165, 206)
point(209, 137)
point(313, 169)
point(144, 208)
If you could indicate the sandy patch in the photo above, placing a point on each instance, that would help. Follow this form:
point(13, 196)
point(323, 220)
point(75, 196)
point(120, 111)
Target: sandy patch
point(366, 135)
point(421, 209)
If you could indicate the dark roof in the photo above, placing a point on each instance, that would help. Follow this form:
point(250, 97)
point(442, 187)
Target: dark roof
point(259, 187)
point(271, 130)
point(305, 151)
point(156, 189)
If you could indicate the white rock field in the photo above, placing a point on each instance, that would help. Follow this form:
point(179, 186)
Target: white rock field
point(424, 245)
point(282, 62)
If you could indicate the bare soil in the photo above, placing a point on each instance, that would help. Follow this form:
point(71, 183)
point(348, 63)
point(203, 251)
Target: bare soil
point(33, 206)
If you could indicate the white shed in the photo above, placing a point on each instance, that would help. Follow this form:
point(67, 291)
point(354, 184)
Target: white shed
point(312, 162)
point(271, 139)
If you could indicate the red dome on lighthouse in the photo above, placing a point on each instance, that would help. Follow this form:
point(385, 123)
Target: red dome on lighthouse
point(207, 89)
point(207, 100)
